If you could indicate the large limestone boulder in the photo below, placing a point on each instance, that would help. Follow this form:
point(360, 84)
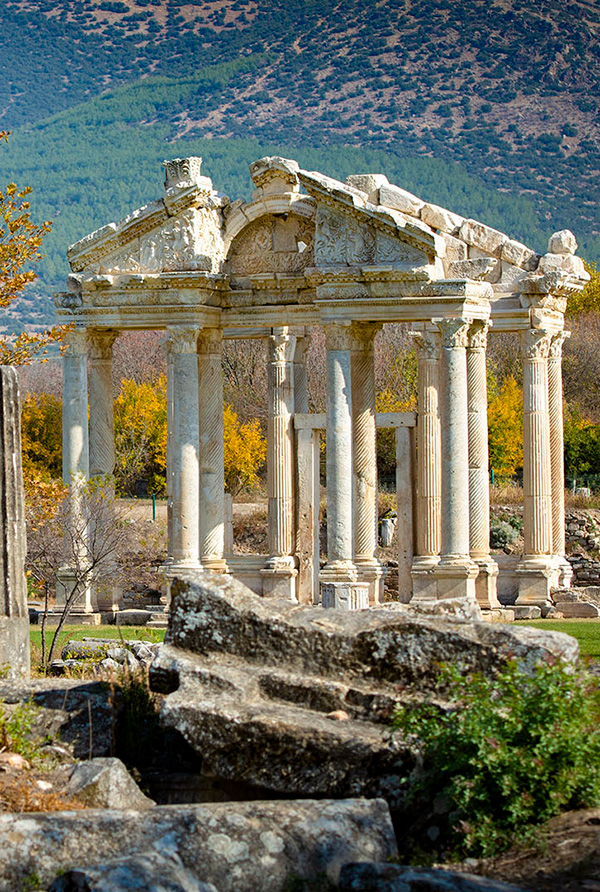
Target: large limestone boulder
point(235, 846)
point(106, 783)
point(298, 699)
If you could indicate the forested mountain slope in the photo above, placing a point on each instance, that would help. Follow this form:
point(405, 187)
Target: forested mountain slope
point(491, 108)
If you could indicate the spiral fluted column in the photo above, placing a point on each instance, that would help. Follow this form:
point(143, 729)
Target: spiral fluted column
point(479, 488)
point(279, 575)
point(536, 571)
point(212, 458)
point(429, 464)
point(557, 461)
point(364, 433)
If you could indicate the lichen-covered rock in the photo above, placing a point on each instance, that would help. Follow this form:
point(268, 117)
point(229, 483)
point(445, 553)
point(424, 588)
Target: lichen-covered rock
point(236, 846)
point(106, 783)
point(148, 871)
point(398, 878)
point(252, 684)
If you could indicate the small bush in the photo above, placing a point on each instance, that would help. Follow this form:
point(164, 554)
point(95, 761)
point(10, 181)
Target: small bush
point(510, 752)
point(16, 726)
point(502, 533)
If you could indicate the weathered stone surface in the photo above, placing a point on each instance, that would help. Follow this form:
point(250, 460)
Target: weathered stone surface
point(148, 871)
point(400, 200)
point(238, 846)
point(440, 218)
point(562, 242)
point(516, 253)
point(571, 609)
point(106, 783)
point(472, 269)
point(370, 183)
point(568, 262)
point(14, 615)
point(483, 237)
point(398, 878)
point(252, 683)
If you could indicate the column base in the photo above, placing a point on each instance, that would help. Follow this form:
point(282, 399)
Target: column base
point(455, 578)
point(538, 575)
point(345, 595)
point(215, 564)
point(109, 597)
point(85, 602)
point(372, 572)
point(486, 583)
point(280, 578)
point(424, 585)
point(565, 571)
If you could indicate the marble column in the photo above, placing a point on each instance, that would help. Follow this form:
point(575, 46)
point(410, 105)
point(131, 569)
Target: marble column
point(455, 573)
point(102, 420)
point(183, 449)
point(479, 485)
point(429, 466)
point(212, 460)
point(404, 510)
point(300, 375)
point(339, 585)
point(557, 461)
point(75, 461)
point(307, 511)
point(280, 573)
point(169, 468)
point(536, 571)
point(364, 435)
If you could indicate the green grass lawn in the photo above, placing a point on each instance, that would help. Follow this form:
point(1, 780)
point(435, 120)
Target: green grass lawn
point(587, 632)
point(76, 633)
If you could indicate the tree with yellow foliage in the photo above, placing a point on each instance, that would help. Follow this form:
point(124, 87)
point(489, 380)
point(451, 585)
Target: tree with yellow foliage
point(245, 451)
point(141, 435)
point(505, 427)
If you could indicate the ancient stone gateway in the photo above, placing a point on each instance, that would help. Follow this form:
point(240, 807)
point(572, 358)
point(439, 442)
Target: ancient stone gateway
point(348, 257)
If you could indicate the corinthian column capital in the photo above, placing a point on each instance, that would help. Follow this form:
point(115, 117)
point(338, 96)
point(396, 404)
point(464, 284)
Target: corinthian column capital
point(455, 332)
point(478, 335)
point(556, 344)
point(535, 344)
point(100, 343)
point(76, 343)
point(183, 339)
point(282, 345)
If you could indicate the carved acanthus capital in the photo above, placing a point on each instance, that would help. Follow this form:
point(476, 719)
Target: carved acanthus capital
point(427, 344)
point(75, 343)
point(182, 172)
point(535, 344)
point(100, 343)
point(556, 344)
point(455, 333)
point(182, 339)
point(282, 345)
point(210, 340)
point(338, 335)
point(478, 335)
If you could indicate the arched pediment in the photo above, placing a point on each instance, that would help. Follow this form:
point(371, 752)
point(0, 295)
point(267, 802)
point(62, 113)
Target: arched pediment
point(272, 243)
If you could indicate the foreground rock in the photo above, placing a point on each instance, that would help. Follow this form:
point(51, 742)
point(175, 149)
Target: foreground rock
point(298, 699)
point(106, 783)
point(238, 847)
point(148, 871)
point(398, 878)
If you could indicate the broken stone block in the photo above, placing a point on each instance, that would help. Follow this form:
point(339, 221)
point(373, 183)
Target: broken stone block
point(562, 242)
point(106, 783)
point(483, 237)
point(150, 871)
point(440, 218)
point(570, 263)
point(472, 269)
point(516, 253)
point(400, 200)
point(236, 846)
point(251, 685)
point(573, 609)
point(370, 183)
point(14, 615)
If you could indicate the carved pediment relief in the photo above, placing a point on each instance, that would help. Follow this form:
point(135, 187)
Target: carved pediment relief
point(344, 239)
point(190, 241)
point(272, 244)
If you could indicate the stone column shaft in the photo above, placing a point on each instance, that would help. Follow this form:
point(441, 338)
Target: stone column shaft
point(212, 458)
point(307, 548)
point(300, 376)
point(102, 419)
point(75, 408)
point(557, 462)
point(429, 459)
point(184, 448)
point(404, 511)
point(479, 487)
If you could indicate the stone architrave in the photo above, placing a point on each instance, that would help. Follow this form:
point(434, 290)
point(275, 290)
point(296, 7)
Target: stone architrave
point(102, 420)
point(184, 448)
point(14, 616)
point(557, 465)
point(455, 573)
point(479, 489)
point(280, 573)
point(212, 457)
point(429, 465)
point(364, 435)
point(339, 578)
point(537, 572)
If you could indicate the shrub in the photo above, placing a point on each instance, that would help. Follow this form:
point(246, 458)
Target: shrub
point(502, 533)
point(508, 753)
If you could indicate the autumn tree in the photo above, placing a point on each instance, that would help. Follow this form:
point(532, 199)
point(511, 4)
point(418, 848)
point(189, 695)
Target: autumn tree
point(505, 426)
point(20, 241)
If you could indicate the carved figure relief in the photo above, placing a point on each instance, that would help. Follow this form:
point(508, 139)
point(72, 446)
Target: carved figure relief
point(342, 239)
point(272, 245)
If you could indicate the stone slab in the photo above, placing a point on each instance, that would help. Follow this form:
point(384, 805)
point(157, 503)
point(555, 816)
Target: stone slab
point(576, 609)
point(525, 612)
point(237, 846)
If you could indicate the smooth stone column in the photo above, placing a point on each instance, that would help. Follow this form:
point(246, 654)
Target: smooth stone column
point(169, 468)
point(307, 505)
point(557, 460)
point(184, 448)
point(429, 466)
point(14, 615)
point(455, 573)
point(405, 449)
point(536, 571)
point(102, 419)
point(75, 454)
point(364, 432)
point(212, 459)
point(339, 585)
point(280, 573)
point(479, 486)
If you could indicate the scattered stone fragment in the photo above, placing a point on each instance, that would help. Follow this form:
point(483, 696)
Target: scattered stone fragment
point(148, 871)
point(562, 242)
point(398, 878)
point(106, 783)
